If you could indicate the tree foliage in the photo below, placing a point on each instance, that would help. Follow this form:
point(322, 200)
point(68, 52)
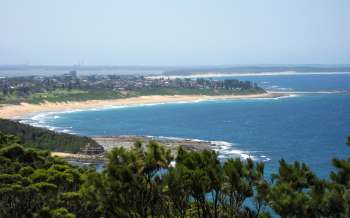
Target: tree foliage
point(145, 182)
point(46, 139)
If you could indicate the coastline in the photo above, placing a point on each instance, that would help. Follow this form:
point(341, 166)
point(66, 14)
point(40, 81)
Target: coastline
point(25, 109)
point(226, 149)
point(232, 74)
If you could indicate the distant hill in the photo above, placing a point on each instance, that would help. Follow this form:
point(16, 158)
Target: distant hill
point(47, 139)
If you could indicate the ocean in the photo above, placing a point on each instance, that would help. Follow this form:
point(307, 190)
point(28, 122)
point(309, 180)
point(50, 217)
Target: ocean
point(310, 126)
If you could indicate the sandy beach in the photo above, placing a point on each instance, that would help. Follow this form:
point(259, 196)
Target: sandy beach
point(25, 109)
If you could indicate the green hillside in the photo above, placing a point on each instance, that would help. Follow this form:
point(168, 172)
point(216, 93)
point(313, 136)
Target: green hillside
point(46, 139)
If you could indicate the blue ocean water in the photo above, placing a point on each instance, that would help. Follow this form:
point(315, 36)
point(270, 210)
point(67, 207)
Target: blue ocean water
point(308, 127)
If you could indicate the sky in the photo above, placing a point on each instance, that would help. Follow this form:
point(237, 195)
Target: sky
point(177, 32)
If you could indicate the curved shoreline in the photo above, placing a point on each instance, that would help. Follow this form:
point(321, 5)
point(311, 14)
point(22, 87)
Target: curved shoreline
point(26, 109)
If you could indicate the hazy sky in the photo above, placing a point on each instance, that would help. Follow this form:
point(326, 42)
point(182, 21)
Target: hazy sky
point(174, 32)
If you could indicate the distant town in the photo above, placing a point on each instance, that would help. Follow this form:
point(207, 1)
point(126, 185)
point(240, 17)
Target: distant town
point(72, 86)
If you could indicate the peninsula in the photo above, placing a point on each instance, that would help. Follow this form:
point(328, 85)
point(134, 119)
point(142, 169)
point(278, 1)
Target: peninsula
point(74, 87)
point(23, 96)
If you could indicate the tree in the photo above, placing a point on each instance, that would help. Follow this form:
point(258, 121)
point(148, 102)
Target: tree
point(141, 182)
point(132, 182)
point(240, 179)
point(291, 194)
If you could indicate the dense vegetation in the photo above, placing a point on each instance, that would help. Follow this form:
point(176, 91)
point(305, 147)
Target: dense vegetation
point(71, 87)
point(46, 139)
point(143, 183)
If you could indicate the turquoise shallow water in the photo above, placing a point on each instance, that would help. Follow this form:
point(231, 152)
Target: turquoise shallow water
point(308, 127)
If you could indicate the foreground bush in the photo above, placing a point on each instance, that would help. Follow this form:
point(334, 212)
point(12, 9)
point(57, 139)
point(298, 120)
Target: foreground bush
point(143, 182)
